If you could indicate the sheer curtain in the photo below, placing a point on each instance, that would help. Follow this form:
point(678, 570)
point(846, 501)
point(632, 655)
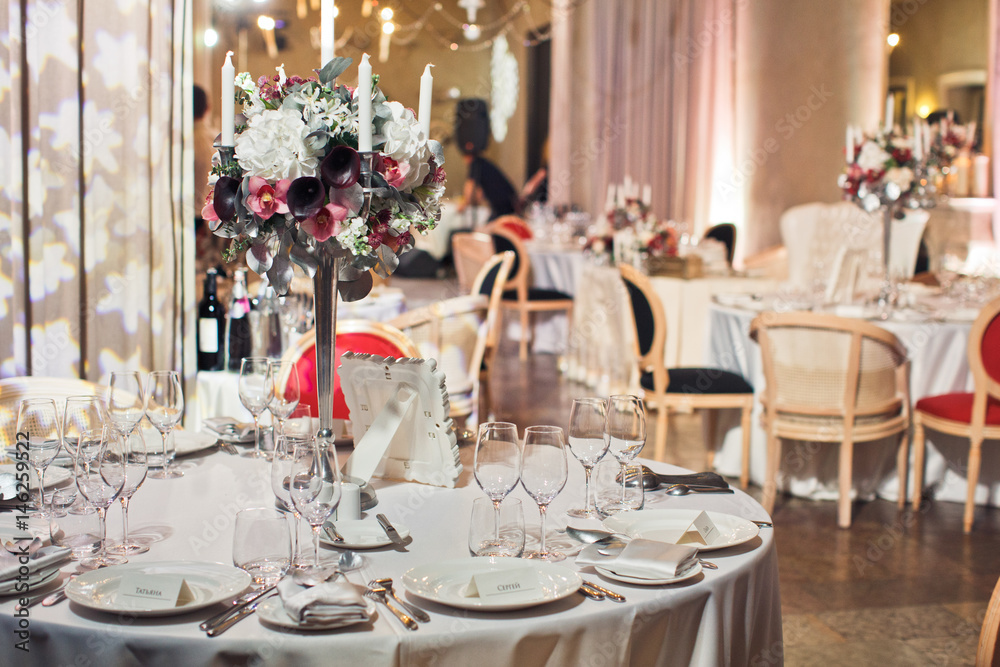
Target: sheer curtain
point(644, 89)
point(96, 210)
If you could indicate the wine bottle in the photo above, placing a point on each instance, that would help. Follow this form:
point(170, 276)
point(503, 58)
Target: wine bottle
point(238, 337)
point(211, 326)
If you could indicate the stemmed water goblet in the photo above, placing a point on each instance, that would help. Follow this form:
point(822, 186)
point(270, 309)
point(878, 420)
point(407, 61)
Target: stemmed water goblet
point(625, 432)
point(125, 401)
point(314, 486)
point(164, 409)
point(281, 474)
point(543, 476)
point(99, 468)
point(256, 388)
point(285, 396)
point(38, 421)
point(132, 448)
point(80, 414)
point(497, 466)
point(587, 443)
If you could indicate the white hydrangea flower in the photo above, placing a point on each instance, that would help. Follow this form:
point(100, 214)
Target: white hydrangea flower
point(872, 157)
point(273, 146)
point(901, 176)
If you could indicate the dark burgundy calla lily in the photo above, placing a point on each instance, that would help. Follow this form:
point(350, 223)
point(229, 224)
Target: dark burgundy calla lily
point(227, 192)
point(341, 168)
point(305, 197)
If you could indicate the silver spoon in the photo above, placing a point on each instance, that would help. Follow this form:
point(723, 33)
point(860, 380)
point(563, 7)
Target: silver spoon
point(310, 578)
point(592, 536)
point(415, 612)
point(684, 489)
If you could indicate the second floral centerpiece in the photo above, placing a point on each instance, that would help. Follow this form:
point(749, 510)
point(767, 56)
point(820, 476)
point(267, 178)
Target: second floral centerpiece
point(319, 170)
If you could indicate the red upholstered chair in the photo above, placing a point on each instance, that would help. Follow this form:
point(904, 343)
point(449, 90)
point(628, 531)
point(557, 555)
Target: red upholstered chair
point(515, 225)
point(975, 415)
point(352, 335)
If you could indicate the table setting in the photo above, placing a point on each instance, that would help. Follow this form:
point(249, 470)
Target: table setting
point(411, 595)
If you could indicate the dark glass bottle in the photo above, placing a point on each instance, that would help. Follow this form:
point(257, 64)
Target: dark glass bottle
point(211, 327)
point(239, 342)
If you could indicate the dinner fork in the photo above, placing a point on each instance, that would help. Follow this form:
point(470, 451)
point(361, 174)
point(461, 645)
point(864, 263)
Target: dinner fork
point(416, 612)
point(378, 594)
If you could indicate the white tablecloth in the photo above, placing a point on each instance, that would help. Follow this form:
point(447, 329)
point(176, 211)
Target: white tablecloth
point(938, 365)
point(727, 616)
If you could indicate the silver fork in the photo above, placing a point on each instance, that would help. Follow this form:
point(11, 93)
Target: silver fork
point(378, 594)
point(415, 612)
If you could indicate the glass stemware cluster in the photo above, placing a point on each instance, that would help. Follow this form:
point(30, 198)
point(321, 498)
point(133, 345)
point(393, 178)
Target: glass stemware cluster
point(125, 410)
point(267, 384)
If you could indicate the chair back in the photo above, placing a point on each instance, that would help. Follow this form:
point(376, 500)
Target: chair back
point(814, 235)
point(986, 654)
point(822, 365)
point(491, 283)
point(362, 336)
point(649, 323)
point(724, 232)
point(470, 251)
point(520, 271)
point(984, 360)
point(16, 389)
point(515, 225)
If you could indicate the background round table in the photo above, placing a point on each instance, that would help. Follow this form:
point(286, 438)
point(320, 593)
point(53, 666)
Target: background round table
point(725, 616)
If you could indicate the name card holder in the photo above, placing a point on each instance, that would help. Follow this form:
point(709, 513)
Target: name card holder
point(509, 584)
point(701, 531)
point(154, 591)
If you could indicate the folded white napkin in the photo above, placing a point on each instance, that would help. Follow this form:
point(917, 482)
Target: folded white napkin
point(643, 559)
point(43, 559)
point(324, 604)
point(221, 426)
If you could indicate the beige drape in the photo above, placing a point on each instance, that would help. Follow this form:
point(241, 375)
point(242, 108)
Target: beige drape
point(95, 232)
point(643, 89)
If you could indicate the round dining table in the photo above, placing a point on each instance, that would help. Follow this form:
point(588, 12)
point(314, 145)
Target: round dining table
point(730, 615)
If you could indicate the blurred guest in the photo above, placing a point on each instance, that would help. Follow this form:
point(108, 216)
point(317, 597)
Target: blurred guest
point(485, 182)
point(537, 187)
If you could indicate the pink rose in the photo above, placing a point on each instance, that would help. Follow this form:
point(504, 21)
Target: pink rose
point(208, 210)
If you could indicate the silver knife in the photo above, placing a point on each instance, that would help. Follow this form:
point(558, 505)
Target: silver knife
point(611, 595)
point(390, 532)
point(220, 618)
point(233, 620)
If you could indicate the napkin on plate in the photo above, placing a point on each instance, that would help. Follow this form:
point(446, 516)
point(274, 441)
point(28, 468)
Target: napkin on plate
point(45, 558)
point(324, 604)
point(643, 559)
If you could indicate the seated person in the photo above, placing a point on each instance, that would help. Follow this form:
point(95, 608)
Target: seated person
point(485, 182)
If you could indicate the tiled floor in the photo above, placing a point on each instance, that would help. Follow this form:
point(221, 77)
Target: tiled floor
point(897, 588)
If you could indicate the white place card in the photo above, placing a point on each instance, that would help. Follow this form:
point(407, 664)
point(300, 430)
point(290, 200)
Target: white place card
point(509, 584)
point(702, 530)
point(154, 591)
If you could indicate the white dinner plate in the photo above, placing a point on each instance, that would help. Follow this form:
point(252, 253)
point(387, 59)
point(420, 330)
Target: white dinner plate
point(692, 571)
point(189, 442)
point(362, 534)
point(447, 582)
point(209, 583)
point(665, 526)
point(54, 475)
point(35, 579)
point(272, 611)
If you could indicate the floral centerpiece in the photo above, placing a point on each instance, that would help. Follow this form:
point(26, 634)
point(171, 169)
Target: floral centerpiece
point(599, 245)
point(659, 239)
point(634, 212)
point(883, 172)
point(295, 188)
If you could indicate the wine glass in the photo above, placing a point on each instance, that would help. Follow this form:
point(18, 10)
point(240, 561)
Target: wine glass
point(543, 476)
point(256, 390)
point(99, 468)
point(125, 402)
point(164, 408)
point(314, 486)
point(281, 472)
point(283, 401)
point(497, 465)
point(80, 414)
point(133, 453)
point(587, 443)
point(38, 424)
point(625, 431)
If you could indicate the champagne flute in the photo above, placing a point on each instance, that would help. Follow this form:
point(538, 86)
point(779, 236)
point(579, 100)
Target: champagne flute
point(164, 408)
point(587, 443)
point(99, 468)
point(497, 465)
point(125, 402)
point(543, 476)
point(625, 432)
point(284, 400)
point(256, 390)
point(314, 486)
point(133, 454)
point(38, 423)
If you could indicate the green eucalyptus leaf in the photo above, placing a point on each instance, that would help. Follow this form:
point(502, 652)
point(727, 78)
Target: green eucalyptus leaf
point(333, 69)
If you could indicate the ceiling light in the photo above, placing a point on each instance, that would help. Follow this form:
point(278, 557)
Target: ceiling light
point(388, 27)
point(386, 13)
point(892, 39)
point(265, 22)
point(472, 31)
point(210, 38)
